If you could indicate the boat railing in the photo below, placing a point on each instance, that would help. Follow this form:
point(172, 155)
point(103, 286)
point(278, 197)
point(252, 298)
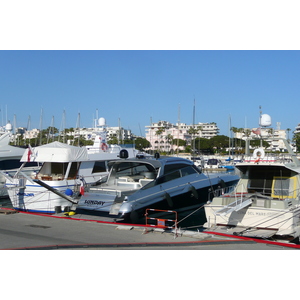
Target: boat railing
point(18, 180)
point(272, 193)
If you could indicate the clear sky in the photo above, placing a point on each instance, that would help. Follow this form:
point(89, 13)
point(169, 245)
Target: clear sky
point(137, 61)
point(135, 86)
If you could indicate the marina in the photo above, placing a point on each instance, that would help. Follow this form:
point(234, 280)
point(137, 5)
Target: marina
point(152, 202)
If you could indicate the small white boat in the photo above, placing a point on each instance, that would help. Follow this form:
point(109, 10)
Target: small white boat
point(213, 163)
point(266, 201)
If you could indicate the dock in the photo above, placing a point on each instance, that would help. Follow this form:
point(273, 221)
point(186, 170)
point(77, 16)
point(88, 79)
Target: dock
point(27, 231)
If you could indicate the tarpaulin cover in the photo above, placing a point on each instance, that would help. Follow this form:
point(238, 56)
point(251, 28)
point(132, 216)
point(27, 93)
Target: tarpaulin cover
point(55, 152)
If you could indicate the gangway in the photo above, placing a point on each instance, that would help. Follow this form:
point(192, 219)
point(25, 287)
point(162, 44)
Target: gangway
point(236, 205)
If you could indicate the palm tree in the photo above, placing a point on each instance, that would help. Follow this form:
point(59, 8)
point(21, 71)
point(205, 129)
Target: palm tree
point(194, 131)
point(169, 138)
point(159, 133)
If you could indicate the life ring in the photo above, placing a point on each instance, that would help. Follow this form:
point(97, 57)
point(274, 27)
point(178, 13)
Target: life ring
point(259, 153)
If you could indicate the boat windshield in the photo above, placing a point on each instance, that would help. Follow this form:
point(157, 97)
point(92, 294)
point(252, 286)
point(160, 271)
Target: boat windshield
point(212, 161)
point(133, 171)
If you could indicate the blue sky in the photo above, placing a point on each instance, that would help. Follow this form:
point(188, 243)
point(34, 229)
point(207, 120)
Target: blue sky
point(135, 86)
point(142, 60)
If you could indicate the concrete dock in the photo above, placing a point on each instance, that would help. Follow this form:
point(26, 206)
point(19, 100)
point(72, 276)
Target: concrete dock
point(32, 231)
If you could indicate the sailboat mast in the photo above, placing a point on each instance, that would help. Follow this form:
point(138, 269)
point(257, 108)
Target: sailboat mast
point(41, 125)
point(178, 131)
point(193, 135)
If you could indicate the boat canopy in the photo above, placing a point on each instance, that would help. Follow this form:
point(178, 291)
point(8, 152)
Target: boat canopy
point(55, 152)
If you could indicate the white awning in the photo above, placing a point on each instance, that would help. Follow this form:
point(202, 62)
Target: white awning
point(55, 152)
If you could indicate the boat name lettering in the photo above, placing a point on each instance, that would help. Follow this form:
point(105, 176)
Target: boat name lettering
point(94, 202)
point(25, 194)
point(259, 213)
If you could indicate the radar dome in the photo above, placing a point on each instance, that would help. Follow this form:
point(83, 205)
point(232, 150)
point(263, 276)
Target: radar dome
point(265, 120)
point(101, 122)
point(8, 127)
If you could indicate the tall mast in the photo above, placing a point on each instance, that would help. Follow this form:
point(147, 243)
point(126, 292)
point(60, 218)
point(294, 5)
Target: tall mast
point(41, 125)
point(193, 135)
point(178, 130)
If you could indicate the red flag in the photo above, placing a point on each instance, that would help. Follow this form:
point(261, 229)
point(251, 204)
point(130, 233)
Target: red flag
point(257, 131)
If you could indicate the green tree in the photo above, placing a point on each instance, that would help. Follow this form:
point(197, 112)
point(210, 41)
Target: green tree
point(142, 143)
point(296, 140)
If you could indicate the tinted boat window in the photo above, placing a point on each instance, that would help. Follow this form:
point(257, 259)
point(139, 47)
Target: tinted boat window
point(135, 170)
point(188, 170)
point(99, 166)
point(173, 167)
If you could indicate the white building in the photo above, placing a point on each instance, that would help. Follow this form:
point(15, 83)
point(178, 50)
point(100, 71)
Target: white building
point(272, 136)
point(161, 134)
point(87, 133)
point(31, 134)
point(112, 132)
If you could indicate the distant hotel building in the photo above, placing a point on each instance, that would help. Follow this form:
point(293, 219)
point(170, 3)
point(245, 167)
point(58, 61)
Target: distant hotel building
point(119, 133)
point(161, 134)
point(276, 143)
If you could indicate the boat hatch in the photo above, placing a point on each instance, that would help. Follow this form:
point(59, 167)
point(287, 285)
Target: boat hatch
point(235, 206)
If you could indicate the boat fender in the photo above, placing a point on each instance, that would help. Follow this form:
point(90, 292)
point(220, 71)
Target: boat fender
point(169, 199)
point(259, 153)
point(70, 213)
point(222, 183)
point(194, 192)
point(69, 192)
